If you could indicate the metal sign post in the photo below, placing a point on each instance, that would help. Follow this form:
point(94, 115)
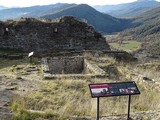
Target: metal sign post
point(129, 103)
point(30, 55)
point(114, 89)
point(97, 108)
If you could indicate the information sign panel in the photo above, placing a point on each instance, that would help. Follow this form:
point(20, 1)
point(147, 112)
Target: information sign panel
point(113, 89)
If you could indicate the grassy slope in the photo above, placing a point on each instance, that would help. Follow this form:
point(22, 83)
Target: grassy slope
point(63, 98)
point(122, 43)
point(127, 46)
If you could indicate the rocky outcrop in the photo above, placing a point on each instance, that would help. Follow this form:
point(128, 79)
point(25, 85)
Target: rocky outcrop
point(67, 33)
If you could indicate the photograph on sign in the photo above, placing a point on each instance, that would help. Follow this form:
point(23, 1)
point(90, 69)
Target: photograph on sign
point(113, 89)
point(100, 90)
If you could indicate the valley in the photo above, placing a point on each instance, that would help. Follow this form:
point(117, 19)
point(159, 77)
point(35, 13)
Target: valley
point(72, 46)
point(122, 44)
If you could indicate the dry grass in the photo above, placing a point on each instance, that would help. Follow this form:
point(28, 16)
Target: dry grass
point(17, 68)
point(70, 97)
point(150, 70)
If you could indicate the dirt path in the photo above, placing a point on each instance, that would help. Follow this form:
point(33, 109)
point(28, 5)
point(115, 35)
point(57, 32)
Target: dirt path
point(10, 87)
point(5, 98)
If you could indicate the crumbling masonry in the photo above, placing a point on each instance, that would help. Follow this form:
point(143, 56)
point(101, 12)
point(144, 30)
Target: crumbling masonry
point(75, 66)
point(67, 33)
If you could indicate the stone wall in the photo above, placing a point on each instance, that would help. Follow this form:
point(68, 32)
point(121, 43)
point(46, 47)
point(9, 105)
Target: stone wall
point(66, 33)
point(92, 68)
point(65, 65)
point(70, 67)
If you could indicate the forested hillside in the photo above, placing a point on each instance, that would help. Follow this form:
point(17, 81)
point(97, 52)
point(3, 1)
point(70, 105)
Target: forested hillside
point(146, 28)
point(102, 22)
point(128, 9)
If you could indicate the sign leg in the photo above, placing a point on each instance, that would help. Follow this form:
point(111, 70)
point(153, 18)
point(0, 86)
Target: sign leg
point(30, 59)
point(97, 108)
point(129, 102)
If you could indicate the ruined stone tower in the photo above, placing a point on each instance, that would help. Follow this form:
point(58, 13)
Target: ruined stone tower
point(65, 33)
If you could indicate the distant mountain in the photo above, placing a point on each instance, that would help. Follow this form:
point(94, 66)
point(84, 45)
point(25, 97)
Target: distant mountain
point(128, 9)
point(102, 22)
point(50, 10)
point(146, 24)
point(2, 7)
point(34, 11)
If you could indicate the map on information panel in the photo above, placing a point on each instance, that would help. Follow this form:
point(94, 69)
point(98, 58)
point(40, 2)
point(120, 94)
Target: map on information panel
point(113, 89)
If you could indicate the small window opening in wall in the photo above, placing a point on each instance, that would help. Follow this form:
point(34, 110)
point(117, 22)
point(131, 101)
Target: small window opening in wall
point(55, 30)
point(6, 31)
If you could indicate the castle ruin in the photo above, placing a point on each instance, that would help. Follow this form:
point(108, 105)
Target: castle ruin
point(66, 33)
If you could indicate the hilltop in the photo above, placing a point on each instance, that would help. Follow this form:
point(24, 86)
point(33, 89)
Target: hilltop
point(101, 22)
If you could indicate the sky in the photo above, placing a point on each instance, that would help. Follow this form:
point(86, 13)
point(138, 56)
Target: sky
point(26, 3)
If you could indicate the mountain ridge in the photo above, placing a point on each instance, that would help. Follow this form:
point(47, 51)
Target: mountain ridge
point(2, 7)
point(102, 22)
point(146, 24)
point(33, 11)
point(128, 9)
point(146, 28)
